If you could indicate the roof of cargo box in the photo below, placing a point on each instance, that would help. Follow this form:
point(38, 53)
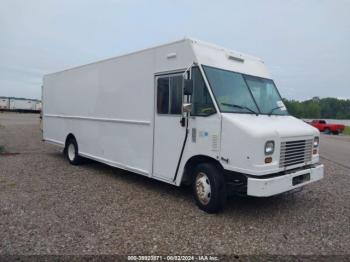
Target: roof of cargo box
point(19, 98)
point(207, 54)
point(224, 58)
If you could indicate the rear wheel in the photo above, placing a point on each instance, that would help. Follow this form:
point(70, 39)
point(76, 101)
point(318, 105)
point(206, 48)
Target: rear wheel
point(209, 188)
point(71, 152)
point(337, 132)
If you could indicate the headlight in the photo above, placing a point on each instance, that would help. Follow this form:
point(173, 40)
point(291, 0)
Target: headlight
point(269, 147)
point(316, 141)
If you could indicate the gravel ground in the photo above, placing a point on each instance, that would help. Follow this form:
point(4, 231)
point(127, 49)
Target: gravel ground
point(50, 207)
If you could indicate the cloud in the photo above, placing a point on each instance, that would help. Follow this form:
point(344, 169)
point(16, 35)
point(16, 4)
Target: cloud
point(304, 43)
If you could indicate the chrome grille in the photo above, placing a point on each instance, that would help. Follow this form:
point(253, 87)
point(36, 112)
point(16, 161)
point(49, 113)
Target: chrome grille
point(295, 152)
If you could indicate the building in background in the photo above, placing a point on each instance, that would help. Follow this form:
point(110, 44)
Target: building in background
point(4, 103)
point(20, 104)
point(316, 99)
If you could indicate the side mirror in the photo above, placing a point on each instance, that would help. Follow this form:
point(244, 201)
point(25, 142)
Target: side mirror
point(187, 107)
point(188, 87)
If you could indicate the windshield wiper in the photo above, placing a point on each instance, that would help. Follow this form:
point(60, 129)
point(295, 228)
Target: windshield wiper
point(241, 107)
point(273, 109)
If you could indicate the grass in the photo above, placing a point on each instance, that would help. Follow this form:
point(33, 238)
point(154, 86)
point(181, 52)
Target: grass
point(347, 131)
point(6, 183)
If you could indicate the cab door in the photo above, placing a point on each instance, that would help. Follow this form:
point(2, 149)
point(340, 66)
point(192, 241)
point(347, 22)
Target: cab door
point(169, 132)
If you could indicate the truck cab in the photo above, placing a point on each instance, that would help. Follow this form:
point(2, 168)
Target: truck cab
point(241, 137)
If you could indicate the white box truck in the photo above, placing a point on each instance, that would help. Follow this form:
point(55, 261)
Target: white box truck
point(22, 104)
point(184, 112)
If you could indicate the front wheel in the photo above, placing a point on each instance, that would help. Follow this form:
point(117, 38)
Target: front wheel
point(209, 188)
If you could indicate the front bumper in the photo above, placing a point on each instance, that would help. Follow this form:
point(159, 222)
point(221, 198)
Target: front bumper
point(261, 187)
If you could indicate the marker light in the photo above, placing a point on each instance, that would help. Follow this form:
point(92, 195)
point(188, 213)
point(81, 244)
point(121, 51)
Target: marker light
point(268, 160)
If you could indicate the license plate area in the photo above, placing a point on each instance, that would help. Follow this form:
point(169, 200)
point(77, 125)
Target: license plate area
point(301, 179)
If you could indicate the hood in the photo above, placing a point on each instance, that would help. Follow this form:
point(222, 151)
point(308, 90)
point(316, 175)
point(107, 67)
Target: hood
point(265, 126)
point(244, 137)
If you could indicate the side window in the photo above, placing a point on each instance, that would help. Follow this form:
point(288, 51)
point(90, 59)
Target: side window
point(176, 94)
point(163, 96)
point(169, 95)
point(202, 105)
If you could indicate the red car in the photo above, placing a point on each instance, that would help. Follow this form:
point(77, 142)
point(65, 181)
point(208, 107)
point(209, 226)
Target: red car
point(327, 128)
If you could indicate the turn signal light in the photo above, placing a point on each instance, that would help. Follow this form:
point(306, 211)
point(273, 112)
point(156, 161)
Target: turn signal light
point(314, 151)
point(268, 160)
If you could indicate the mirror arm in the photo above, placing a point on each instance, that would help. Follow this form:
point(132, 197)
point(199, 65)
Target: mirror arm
point(188, 87)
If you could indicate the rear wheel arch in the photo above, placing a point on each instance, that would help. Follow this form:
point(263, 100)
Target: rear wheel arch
point(69, 137)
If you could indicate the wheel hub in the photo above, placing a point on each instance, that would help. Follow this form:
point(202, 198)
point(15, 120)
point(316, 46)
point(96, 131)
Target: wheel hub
point(203, 188)
point(71, 152)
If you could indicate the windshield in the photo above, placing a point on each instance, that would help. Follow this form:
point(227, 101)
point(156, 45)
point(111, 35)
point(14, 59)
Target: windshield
point(239, 93)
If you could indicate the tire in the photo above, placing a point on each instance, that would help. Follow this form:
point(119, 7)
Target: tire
point(71, 152)
point(209, 188)
point(336, 132)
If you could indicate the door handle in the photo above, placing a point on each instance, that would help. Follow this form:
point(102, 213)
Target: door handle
point(183, 121)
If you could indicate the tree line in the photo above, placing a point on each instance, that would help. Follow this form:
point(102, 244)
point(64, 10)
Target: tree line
point(319, 108)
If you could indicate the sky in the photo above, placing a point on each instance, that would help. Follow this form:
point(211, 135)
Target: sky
point(304, 43)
